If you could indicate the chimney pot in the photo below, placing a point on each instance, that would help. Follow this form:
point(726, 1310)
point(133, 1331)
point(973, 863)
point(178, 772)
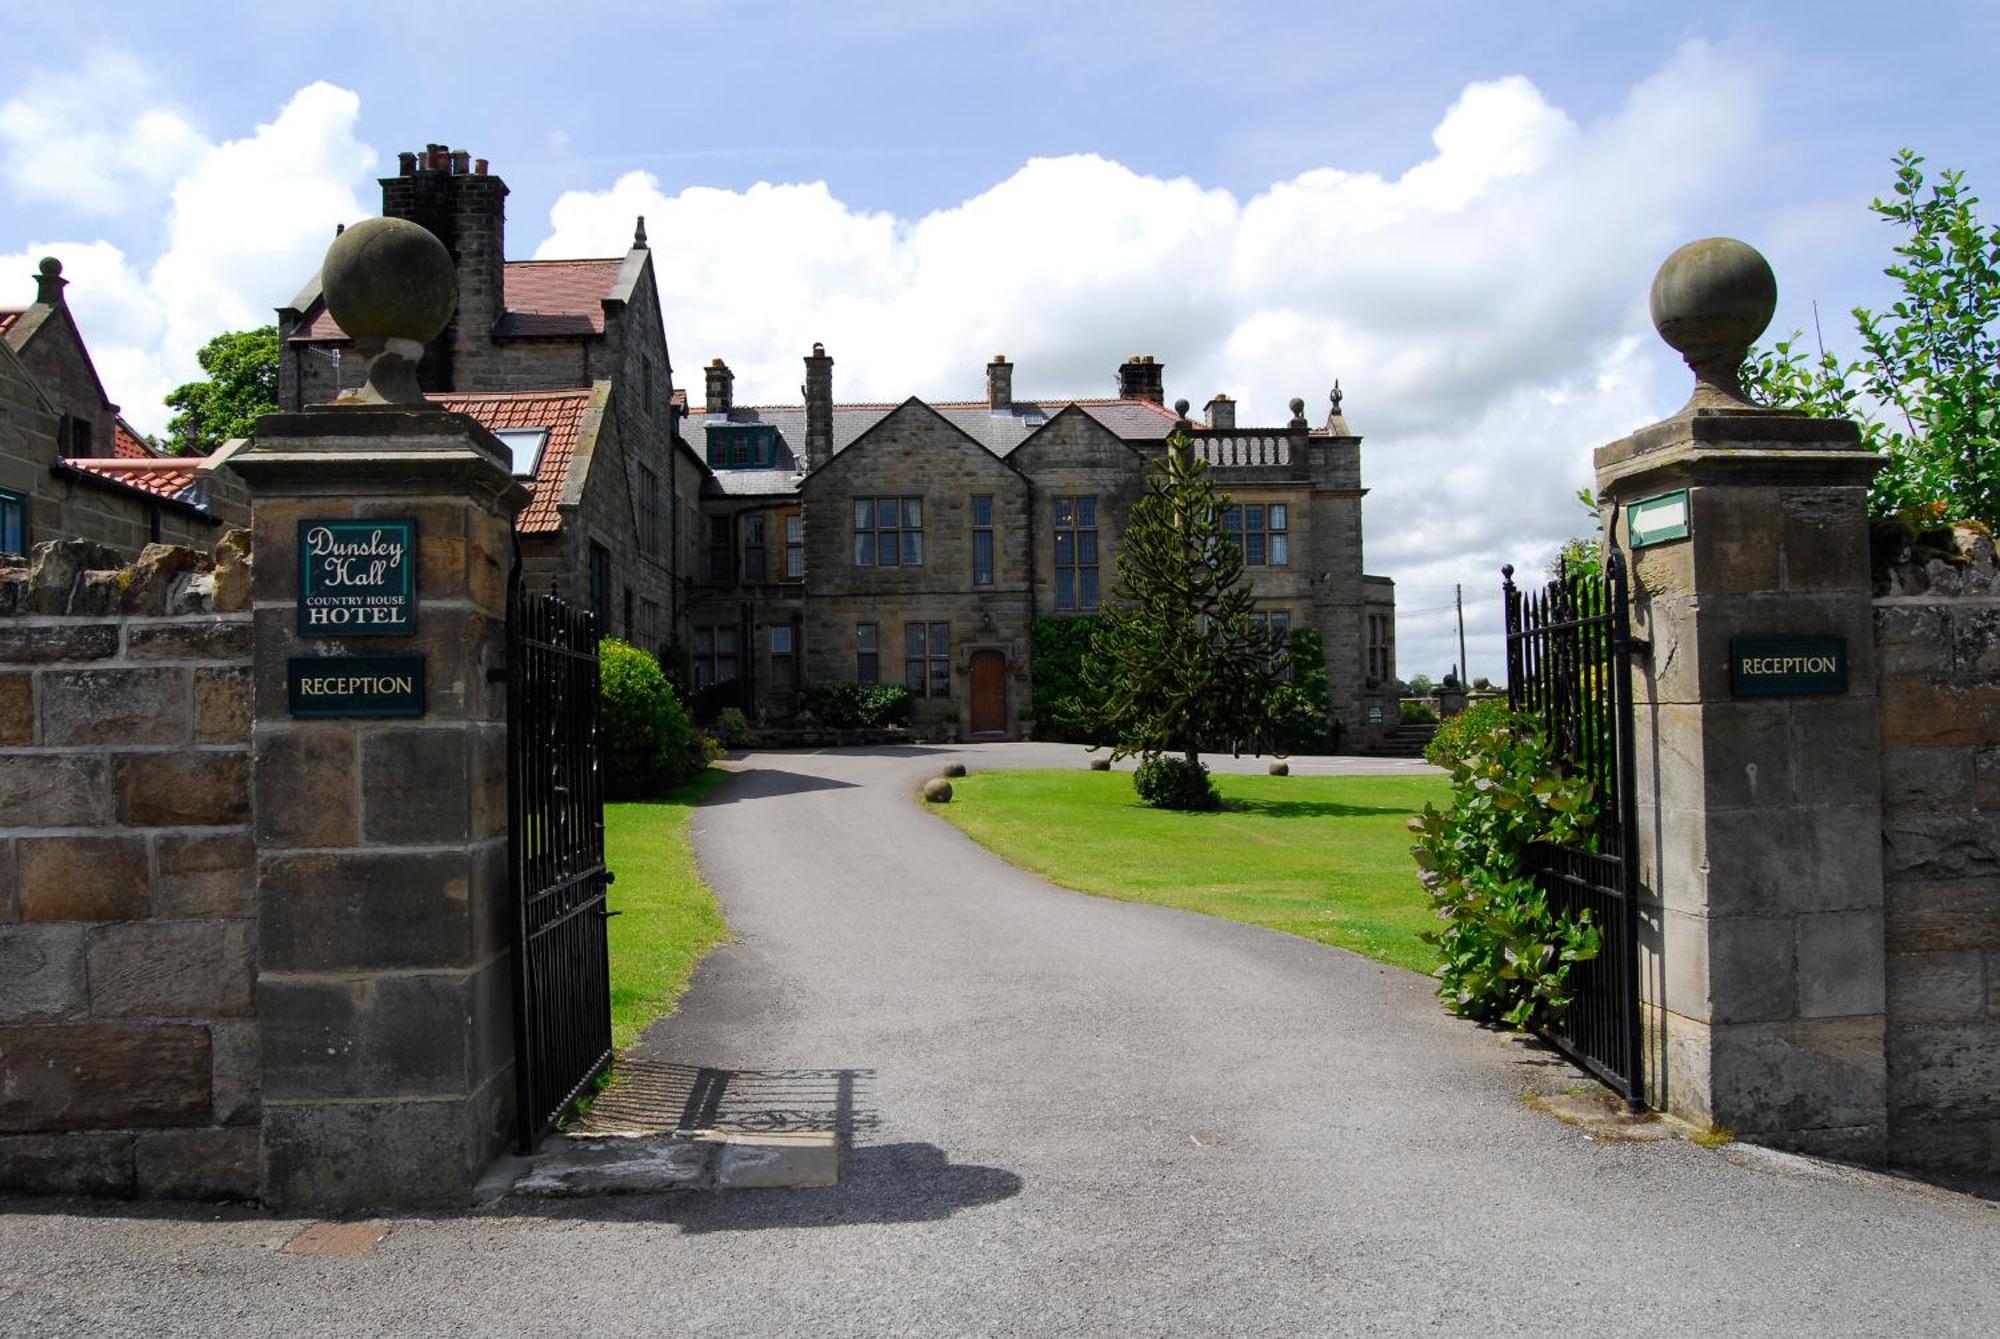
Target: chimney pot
point(479, 167)
point(406, 164)
point(461, 162)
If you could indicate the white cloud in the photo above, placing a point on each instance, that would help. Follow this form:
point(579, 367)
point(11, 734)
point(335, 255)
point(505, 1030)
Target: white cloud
point(67, 137)
point(245, 222)
point(1484, 310)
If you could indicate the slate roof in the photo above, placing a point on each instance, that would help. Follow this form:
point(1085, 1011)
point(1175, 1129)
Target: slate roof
point(998, 431)
point(561, 412)
point(545, 298)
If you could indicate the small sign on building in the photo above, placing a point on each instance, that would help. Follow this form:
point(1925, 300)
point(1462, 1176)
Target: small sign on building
point(1787, 666)
point(1656, 520)
point(357, 578)
point(355, 685)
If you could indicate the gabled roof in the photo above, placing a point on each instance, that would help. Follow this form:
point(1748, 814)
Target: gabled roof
point(999, 431)
point(544, 298)
point(561, 412)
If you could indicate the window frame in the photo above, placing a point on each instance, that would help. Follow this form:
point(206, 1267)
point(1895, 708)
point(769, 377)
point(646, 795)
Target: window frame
point(1067, 521)
point(794, 525)
point(982, 564)
point(756, 549)
point(22, 506)
point(927, 659)
point(710, 655)
point(1264, 539)
point(898, 534)
point(868, 653)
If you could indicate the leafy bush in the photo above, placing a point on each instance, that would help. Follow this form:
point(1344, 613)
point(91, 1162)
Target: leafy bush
point(1453, 737)
point(1056, 648)
point(647, 742)
point(1301, 710)
point(1506, 953)
point(1167, 781)
point(732, 728)
point(849, 706)
point(1416, 713)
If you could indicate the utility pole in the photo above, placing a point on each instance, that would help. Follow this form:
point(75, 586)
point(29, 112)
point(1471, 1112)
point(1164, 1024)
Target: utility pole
point(1464, 671)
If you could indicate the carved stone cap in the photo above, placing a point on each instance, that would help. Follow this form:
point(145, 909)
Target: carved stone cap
point(1710, 301)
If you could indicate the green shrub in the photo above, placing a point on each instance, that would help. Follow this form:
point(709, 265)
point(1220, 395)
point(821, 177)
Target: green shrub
point(1416, 713)
point(1056, 648)
point(1505, 952)
point(1301, 709)
point(1449, 744)
point(850, 706)
point(732, 728)
point(1167, 781)
point(647, 743)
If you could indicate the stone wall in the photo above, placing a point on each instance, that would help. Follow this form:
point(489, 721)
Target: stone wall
point(1937, 632)
point(128, 1034)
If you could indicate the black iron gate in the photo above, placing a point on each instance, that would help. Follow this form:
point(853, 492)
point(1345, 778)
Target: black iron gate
point(555, 850)
point(1569, 665)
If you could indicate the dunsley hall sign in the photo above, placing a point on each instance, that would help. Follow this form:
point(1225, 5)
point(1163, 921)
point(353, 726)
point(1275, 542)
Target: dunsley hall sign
point(357, 579)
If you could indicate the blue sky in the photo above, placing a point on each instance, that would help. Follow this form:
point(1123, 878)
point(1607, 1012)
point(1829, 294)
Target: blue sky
point(1231, 187)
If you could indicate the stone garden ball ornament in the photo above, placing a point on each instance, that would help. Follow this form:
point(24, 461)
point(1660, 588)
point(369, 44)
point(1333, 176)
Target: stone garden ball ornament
point(1710, 302)
point(392, 287)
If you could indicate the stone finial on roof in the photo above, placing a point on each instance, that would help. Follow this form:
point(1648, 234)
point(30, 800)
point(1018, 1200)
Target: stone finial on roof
point(1298, 412)
point(1334, 396)
point(1710, 301)
point(639, 235)
point(49, 283)
point(391, 286)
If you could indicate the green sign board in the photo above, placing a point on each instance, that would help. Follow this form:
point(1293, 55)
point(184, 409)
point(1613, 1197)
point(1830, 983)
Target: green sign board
point(1776, 666)
point(357, 578)
point(1655, 520)
point(355, 685)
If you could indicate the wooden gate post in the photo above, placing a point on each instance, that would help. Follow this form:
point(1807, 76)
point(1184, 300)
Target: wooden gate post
point(1758, 785)
point(382, 533)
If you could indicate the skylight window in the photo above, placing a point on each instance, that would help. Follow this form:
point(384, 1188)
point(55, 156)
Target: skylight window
point(525, 446)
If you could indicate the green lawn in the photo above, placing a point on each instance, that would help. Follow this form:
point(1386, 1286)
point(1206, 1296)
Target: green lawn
point(1325, 858)
point(670, 918)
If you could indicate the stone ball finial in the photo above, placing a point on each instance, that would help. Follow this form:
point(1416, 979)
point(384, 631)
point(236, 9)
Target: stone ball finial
point(1710, 301)
point(392, 287)
point(50, 266)
point(1181, 407)
point(1298, 406)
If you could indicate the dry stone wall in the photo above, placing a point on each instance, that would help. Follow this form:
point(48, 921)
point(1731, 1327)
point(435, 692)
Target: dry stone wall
point(1937, 632)
point(128, 1046)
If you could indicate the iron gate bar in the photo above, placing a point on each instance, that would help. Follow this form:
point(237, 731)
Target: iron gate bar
point(555, 848)
point(1569, 652)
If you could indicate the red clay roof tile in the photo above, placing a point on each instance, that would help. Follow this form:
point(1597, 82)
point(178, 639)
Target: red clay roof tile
point(544, 298)
point(561, 412)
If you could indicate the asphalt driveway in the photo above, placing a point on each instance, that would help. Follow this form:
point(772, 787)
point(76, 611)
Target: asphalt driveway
point(1069, 1116)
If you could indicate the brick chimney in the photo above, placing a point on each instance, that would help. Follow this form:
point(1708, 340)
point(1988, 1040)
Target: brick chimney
point(719, 394)
point(819, 409)
point(466, 209)
point(1221, 412)
point(1000, 384)
point(1140, 378)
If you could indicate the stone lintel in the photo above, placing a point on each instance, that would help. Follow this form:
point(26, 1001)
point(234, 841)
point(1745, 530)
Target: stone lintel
point(1623, 473)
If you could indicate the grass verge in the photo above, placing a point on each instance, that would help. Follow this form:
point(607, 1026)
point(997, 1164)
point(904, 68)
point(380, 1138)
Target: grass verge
point(1324, 858)
point(670, 919)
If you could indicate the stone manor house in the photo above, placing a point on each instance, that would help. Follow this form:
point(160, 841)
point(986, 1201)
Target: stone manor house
point(829, 541)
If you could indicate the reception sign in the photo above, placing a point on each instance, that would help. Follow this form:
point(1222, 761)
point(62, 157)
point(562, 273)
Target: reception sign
point(357, 578)
point(1785, 666)
point(355, 685)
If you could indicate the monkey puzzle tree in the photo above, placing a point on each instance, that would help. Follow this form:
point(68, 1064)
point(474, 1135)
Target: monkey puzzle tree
point(1176, 660)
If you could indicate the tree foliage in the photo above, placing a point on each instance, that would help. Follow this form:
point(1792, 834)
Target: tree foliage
point(1926, 390)
point(1176, 660)
point(241, 384)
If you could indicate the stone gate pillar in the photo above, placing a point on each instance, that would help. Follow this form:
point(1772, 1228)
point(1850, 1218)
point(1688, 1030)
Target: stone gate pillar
point(1759, 795)
point(383, 541)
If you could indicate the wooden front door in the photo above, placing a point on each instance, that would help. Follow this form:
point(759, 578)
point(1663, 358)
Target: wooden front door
point(989, 692)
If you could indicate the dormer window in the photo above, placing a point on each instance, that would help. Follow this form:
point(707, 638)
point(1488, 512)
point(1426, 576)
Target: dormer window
point(742, 446)
point(525, 446)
